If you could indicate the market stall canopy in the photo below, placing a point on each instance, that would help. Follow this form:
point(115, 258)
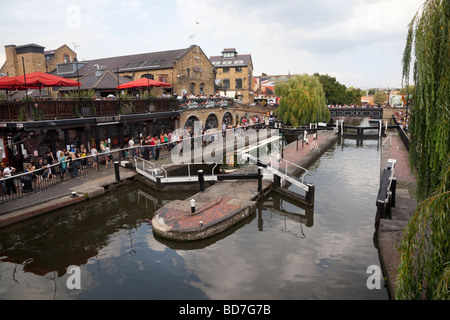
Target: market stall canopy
point(12, 83)
point(143, 83)
point(41, 79)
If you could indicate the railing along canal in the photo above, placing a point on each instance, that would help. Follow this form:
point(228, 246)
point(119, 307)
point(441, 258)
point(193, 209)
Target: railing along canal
point(23, 184)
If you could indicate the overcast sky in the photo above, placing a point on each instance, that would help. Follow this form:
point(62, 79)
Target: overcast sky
point(360, 42)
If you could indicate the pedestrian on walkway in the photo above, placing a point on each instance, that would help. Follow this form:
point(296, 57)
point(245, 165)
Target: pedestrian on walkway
point(131, 145)
point(10, 185)
point(94, 154)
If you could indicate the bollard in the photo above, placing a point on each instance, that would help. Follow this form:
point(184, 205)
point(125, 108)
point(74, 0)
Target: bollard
point(201, 179)
point(192, 206)
point(116, 169)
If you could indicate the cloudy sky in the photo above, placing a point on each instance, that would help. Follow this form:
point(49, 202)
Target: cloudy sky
point(360, 42)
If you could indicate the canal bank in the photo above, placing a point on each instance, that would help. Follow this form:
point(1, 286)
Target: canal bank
point(389, 232)
point(60, 196)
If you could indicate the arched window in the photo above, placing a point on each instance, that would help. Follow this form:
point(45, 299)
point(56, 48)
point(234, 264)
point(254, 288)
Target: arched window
point(148, 76)
point(66, 58)
point(227, 118)
point(211, 121)
point(190, 122)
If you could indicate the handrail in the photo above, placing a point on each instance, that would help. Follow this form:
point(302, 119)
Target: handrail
point(296, 165)
point(314, 146)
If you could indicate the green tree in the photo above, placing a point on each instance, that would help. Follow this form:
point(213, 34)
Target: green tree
point(424, 271)
point(353, 96)
point(335, 93)
point(302, 101)
point(429, 123)
point(380, 98)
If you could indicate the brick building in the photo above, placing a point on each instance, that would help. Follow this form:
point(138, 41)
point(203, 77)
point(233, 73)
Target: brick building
point(234, 74)
point(35, 58)
point(188, 70)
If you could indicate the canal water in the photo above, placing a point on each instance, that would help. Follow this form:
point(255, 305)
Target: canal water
point(282, 251)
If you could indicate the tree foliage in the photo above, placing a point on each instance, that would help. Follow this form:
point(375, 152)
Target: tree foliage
point(337, 93)
point(428, 35)
point(380, 98)
point(302, 101)
point(424, 271)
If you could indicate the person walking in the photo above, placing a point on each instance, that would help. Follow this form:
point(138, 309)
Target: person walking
point(131, 145)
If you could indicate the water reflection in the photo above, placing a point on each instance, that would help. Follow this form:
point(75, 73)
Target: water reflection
point(283, 250)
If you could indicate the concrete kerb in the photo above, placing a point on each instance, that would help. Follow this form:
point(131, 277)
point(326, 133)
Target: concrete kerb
point(41, 202)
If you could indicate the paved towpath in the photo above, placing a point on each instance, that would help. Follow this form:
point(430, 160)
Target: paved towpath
point(390, 231)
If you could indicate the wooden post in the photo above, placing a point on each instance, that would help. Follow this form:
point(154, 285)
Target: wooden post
point(116, 170)
point(393, 191)
point(276, 181)
point(260, 176)
point(310, 194)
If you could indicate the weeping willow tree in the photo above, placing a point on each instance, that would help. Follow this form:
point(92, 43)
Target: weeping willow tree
point(428, 35)
point(424, 270)
point(302, 101)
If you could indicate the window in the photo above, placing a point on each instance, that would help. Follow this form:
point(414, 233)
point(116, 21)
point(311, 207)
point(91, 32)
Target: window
point(148, 76)
point(226, 83)
point(228, 54)
point(238, 69)
point(238, 83)
point(66, 58)
point(226, 70)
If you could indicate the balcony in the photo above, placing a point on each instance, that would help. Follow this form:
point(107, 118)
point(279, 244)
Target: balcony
point(19, 111)
point(78, 108)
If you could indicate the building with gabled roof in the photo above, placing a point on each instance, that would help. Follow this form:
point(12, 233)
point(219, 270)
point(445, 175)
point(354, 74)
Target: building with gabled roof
point(188, 70)
point(234, 74)
point(32, 57)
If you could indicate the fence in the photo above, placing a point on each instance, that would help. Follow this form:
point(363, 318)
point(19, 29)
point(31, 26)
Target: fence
point(76, 108)
point(23, 184)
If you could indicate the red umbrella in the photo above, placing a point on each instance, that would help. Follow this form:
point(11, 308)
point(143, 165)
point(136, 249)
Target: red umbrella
point(40, 79)
point(143, 83)
point(8, 82)
point(12, 83)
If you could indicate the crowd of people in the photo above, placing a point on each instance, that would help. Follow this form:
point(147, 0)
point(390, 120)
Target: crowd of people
point(74, 160)
point(402, 120)
point(352, 106)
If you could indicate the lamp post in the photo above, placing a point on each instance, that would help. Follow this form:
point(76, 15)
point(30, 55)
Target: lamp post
point(389, 95)
point(25, 78)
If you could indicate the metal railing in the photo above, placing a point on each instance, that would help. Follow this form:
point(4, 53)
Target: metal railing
point(23, 184)
point(62, 108)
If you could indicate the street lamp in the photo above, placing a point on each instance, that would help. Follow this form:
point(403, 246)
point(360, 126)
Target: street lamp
point(25, 78)
point(389, 95)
